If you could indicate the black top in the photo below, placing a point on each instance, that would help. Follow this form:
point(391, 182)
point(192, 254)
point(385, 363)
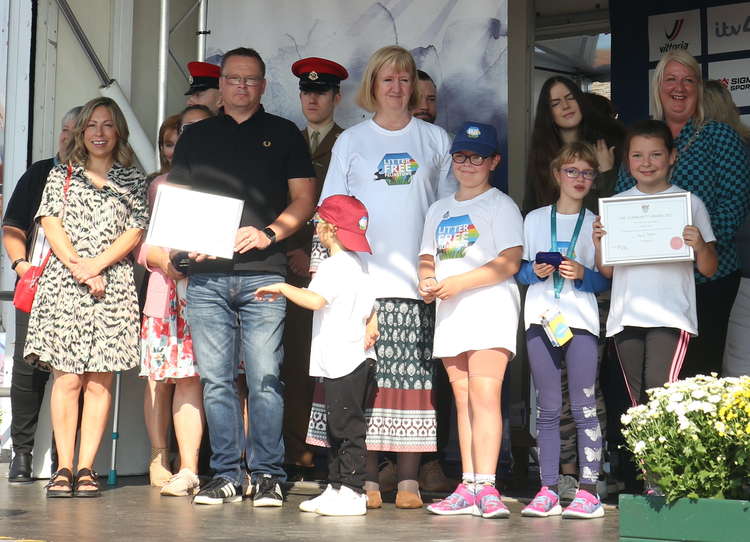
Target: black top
point(26, 198)
point(252, 161)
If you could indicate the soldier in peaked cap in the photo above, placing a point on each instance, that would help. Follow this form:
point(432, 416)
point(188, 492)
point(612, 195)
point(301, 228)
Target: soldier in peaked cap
point(204, 85)
point(319, 81)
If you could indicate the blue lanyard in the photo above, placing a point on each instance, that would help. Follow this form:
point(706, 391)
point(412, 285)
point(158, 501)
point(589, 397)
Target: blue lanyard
point(558, 280)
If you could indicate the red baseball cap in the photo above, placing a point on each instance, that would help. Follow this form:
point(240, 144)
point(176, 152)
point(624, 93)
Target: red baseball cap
point(350, 217)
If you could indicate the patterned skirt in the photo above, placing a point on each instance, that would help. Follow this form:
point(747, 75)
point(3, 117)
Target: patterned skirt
point(402, 416)
point(166, 344)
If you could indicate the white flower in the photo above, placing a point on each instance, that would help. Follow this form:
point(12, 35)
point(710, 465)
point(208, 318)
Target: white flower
point(698, 394)
point(626, 419)
point(639, 447)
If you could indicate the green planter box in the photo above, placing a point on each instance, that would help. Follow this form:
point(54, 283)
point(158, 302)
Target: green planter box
point(703, 520)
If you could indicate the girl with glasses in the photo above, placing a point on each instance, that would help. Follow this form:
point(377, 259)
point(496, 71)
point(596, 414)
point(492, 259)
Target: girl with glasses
point(562, 329)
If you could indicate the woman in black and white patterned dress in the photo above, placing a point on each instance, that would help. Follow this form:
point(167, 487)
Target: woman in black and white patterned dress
point(85, 323)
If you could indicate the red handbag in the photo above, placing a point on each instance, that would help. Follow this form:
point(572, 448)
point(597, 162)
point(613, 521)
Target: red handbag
point(23, 298)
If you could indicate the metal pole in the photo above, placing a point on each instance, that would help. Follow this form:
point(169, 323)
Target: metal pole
point(163, 59)
point(112, 477)
point(202, 32)
point(84, 41)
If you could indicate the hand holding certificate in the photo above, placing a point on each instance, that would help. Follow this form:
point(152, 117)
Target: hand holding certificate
point(645, 229)
point(193, 221)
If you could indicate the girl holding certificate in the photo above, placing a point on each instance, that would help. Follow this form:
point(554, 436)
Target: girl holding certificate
point(562, 328)
point(653, 311)
point(471, 250)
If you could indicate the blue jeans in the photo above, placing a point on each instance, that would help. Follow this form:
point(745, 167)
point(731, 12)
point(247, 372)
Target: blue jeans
point(223, 313)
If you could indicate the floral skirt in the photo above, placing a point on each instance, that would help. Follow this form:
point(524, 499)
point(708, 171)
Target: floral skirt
point(402, 416)
point(166, 344)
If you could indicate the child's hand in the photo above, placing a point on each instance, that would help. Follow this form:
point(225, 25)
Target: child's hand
point(270, 292)
point(571, 269)
point(371, 332)
point(605, 155)
point(598, 232)
point(693, 238)
point(448, 288)
point(543, 270)
point(426, 289)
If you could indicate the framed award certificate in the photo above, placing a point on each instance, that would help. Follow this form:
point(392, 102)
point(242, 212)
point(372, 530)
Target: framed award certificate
point(645, 229)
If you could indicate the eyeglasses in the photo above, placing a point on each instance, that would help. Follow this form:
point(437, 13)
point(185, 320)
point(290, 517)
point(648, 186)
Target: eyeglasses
point(250, 81)
point(574, 173)
point(474, 159)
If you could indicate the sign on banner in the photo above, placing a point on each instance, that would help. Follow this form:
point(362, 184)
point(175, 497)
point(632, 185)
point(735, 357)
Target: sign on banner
point(728, 28)
point(671, 31)
point(735, 76)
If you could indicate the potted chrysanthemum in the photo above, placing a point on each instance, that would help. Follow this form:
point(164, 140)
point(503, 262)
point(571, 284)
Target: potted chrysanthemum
point(692, 442)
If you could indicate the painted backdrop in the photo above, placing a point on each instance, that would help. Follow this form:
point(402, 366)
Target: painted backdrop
point(462, 44)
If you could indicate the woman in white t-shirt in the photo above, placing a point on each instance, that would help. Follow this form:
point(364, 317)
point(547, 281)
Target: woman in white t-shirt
point(471, 249)
point(562, 329)
point(397, 165)
point(653, 311)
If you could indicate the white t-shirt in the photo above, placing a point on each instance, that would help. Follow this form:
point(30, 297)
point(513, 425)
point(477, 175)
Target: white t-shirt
point(397, 175)
point(662, 294)
point(461, 236)
point(578, 308)
point(338, 335)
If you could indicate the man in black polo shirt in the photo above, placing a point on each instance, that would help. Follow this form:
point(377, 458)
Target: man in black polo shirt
point(262, 159)
point(19, 236)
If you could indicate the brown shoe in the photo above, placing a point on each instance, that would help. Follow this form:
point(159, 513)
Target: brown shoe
point(158, 470)
point(374, 500)
point(407, 499)
point(433, 479)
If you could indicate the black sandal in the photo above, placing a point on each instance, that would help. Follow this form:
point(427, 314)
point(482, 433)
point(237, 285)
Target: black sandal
point(63, 478)
point(93, 481)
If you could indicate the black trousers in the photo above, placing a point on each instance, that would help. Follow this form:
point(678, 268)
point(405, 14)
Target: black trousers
point(714, 301)
point(26, 392)
point(347, 397)
point(649, 357)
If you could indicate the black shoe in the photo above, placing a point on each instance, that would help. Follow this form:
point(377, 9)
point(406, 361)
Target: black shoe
point(267, 492)
point(218, 491)
point(20, 469)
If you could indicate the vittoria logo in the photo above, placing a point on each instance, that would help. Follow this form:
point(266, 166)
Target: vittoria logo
point(676, 27)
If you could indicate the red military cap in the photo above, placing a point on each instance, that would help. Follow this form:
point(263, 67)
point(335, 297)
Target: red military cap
point(203, 75)
point(318, 74)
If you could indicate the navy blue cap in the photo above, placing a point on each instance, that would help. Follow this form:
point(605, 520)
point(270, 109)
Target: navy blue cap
point(476, 137)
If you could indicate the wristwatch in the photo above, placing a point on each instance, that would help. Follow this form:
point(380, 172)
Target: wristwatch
point(16, 262)
point(270, 234)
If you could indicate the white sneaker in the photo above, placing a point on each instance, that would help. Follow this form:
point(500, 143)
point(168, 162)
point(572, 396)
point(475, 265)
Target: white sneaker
point(182, 484)
point(312, 505)
point(346, 502)
point(567, 486)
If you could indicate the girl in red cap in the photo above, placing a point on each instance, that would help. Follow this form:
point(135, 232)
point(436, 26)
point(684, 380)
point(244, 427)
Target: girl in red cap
point(344, 332)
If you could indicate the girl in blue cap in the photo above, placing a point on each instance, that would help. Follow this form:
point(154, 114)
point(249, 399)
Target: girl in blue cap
point(471, 250)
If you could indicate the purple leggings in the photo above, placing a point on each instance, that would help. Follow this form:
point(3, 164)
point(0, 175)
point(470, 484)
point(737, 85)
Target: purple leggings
point(580, 356)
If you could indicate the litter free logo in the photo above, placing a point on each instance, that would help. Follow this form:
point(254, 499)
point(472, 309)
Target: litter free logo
point(454, 236)
point(396, 169)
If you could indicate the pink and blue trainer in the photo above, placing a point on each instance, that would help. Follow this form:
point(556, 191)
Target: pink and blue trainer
point(489, 503)
point(461, 501)
point(545, 504)
point(584, 506)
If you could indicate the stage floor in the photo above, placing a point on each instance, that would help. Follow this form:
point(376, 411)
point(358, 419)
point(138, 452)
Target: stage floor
point(133, 511)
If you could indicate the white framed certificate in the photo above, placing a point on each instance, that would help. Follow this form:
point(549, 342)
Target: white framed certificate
point(645, 229)
point(194, 221)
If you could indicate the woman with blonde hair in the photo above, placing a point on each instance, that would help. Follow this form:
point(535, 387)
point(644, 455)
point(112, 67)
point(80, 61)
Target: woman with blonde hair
point(397, 165)
point(84, 321)
point(711, 163)
point(718, 105)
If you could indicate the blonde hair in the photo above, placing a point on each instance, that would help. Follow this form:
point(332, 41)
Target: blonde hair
point(687, 60)
point(718, 105)
point(77, 152)
point(570, 152)
point(391, 55)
